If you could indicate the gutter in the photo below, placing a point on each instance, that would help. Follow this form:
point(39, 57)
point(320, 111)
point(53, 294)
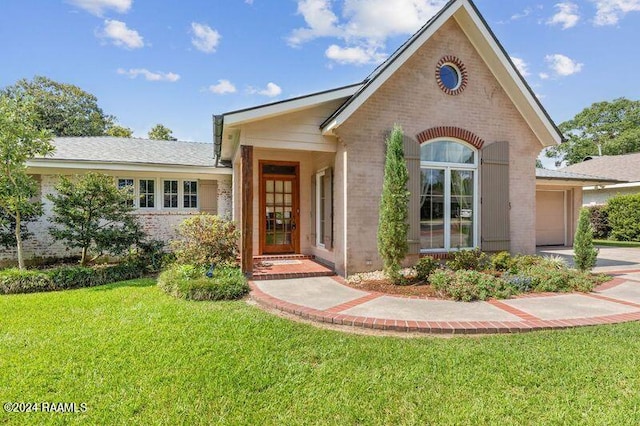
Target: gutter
point(218, 125)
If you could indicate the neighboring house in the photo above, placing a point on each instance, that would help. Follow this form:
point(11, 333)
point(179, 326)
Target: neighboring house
point(623, 168)
point(171, 180)
point(558, 201)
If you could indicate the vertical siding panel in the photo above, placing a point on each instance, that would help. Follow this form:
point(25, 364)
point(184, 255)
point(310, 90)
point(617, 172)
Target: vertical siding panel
point(495, 228)
point(208, 193)
point(412, 157)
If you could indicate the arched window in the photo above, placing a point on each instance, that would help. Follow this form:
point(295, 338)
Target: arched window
point(448, 198)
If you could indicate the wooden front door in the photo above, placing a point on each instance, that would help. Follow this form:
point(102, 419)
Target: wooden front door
point(279, 207)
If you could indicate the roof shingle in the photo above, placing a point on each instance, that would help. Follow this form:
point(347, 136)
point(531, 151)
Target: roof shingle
point(619, 167)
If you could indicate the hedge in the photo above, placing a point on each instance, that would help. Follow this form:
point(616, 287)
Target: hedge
point(190, 282)
point(624, 217)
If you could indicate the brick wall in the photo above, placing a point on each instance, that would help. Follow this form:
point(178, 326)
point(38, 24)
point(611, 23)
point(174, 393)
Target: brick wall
point(412, 98)
point(158, 224)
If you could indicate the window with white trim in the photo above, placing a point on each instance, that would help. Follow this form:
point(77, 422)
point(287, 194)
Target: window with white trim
point(146, 193)
point(448, 196)
point(190, 194)
point(170, 194)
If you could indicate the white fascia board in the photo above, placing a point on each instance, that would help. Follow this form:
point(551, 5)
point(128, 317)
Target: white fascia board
point(287, 106)
point(515, 78)
point(615, 186)
point(130, 167)
point(381, 78)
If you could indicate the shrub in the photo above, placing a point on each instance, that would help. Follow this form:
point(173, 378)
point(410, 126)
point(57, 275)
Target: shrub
point(13, 281)
point(523, 262)
point(190, 282)
point(474, 260)
point(469, 285)
point(73, 277)
point(553, 262)
point(585, 254)
point(520, 283)
point(392, 226)
point(206, 239)
point(624, 217)
point(150, 255)
point(599, 219)
point(425, 266)
point(501, 261)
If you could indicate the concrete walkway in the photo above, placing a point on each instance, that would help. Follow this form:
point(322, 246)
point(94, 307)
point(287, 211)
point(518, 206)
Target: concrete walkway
point(329, 300)
point(609, 258)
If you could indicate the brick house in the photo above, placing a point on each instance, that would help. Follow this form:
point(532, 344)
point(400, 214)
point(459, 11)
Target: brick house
point(304, 175)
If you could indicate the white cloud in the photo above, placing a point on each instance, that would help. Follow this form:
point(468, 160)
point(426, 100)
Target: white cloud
point(272, 90)
point(223, 86)
point(543, 76)
point(205, 38)
point(522, 66)
point(120, 35)
point(149, 75)
point(98, 7)
point(562, 65)
point(353, 55)
point(567, 15)
point(248, 1)
point(363, 25)
point(609, 12)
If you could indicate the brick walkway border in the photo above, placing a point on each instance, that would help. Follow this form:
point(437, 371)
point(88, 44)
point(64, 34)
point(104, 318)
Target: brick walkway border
point(528, 322)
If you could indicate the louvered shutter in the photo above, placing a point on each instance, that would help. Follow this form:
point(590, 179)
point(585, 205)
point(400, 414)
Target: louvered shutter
point(495, 218)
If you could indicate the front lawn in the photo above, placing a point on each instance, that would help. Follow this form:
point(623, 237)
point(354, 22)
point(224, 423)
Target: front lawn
point(612, 243)
point(135, 355)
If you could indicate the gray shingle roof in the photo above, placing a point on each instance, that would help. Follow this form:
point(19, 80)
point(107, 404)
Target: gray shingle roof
point(620, 167)
point(564, 175)
point(132, 150)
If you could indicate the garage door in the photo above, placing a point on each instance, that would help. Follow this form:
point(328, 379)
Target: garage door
point(550, 218)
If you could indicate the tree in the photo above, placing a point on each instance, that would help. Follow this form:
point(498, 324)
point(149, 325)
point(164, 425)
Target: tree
point(94, 215)
point(604, 128)
point(393, 228)
point(585, 254)
point(119, 131)
point(65, 109)
point(20, 140)
point(161, 133)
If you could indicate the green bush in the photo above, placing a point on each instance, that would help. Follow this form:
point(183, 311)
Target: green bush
point(425, 266)
point(206, 239)
point(14, 280)
point(474, 260)
point(469, 285)
point(73, 277)
point(624, 217)
point(599, 219)
point(501, 261)
point(585, 254)
point(190, 282)
point(522, 262)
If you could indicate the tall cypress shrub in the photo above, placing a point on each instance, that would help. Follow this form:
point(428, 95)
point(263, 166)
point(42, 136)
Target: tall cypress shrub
point(393, 228)
point(585, 254)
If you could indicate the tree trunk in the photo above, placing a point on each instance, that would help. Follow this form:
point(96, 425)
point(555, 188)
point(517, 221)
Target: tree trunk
point(19, 242)
point(83, 259)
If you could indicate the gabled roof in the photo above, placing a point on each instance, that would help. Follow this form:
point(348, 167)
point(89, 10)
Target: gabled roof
point(128, 151)
point(620, 167)
point(555, 175)
point(492, 52)
point(261, 112)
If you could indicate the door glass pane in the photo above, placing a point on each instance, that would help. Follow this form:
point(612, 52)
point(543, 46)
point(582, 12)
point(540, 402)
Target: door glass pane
point(461, 208)
point(432, 209)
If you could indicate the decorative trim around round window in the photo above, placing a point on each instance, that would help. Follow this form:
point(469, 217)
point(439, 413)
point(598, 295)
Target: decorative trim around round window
point(451, 75)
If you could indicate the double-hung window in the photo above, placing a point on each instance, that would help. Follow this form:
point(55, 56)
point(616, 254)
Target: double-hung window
point(170, 192)
point(190, 194)
point(128, 184)
point(147, 193)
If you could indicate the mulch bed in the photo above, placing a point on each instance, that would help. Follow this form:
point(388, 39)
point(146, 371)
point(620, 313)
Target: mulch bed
point(384, 286)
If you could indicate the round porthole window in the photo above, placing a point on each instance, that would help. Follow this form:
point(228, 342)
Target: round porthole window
point(451, 75)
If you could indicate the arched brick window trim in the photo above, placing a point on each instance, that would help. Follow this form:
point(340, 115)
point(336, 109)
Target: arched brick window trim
point(450, 132)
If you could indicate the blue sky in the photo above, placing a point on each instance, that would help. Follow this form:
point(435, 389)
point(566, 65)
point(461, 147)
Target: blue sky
point(179, 62)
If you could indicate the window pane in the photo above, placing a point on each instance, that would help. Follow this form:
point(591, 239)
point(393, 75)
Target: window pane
point(170, 194)
point(147, 193)
point(432, 209)
point(461, 208)
point(447, 152)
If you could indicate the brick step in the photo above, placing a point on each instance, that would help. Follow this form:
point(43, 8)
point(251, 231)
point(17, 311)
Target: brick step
point(282, 257)
point(291, 275)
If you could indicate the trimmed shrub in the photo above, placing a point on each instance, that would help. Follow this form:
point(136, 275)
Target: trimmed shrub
point(474, 260)
point(425, 266)
point(624, 217)
point(522, 262)
point(585, 254)
point(599, 219)
point(206, 239)
point(520, 283)
point(501, 261)
point(14, 281)
point(190, 282)
point(469, 285)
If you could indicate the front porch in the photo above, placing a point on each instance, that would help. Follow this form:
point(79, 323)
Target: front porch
point(281, 267)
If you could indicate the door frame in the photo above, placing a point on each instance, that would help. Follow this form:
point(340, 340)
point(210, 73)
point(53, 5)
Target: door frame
point(295, 234)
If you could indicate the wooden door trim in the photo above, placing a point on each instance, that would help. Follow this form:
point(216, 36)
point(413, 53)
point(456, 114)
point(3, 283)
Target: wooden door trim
point(295, 236)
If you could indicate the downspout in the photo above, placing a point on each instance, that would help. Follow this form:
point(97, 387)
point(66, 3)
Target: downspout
point(218, 124)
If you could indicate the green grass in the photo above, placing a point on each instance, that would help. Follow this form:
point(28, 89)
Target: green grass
point(611, 243)
point(135, 355)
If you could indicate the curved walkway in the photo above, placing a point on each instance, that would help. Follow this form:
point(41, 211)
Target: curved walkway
point(329, 300)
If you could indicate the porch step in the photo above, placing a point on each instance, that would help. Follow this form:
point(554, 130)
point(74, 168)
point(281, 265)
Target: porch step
point(282, 257)
point(287, 267)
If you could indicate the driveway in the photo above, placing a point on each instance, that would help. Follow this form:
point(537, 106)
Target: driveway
point(609, 258)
